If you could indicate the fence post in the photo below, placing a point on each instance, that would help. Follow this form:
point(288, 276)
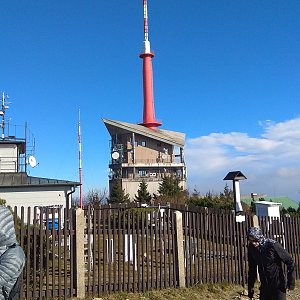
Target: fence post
point(255, 221)
point(79, 254)
point(179, 249)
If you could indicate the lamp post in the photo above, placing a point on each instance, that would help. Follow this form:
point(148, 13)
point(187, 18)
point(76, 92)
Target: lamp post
point(236, 176)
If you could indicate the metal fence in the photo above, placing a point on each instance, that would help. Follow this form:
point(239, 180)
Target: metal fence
point(131, 248)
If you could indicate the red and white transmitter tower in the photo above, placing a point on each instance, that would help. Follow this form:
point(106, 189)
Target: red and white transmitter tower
point(147, 55)
point(80, 161)
point(142, 152)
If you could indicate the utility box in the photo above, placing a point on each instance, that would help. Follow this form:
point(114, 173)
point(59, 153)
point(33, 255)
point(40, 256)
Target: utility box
point(275, 227)
point(267, 209)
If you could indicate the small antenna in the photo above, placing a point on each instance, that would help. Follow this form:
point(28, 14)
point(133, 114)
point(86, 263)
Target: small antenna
point(80, 164)
point(2, 113)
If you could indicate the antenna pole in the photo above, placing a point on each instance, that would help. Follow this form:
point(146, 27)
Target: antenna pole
point(2, 113)
point(25, 134)
point(148, 113)
point(80, 164)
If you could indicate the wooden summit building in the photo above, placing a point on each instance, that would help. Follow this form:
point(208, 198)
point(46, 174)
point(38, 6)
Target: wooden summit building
point(140, 153)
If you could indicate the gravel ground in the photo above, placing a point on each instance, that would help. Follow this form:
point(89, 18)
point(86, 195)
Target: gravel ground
point(293, 295)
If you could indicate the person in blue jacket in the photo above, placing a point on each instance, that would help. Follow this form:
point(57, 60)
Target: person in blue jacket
point(12, 258)
point(268, 255)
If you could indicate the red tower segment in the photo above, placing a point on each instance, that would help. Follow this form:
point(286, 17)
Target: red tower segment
point(148, 113)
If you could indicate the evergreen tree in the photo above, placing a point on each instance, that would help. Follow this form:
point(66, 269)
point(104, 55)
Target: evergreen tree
point(170, 191)
point(226, 198)
point(169, 187)
point(117, 194)
point(222, 201)
point(143, 196)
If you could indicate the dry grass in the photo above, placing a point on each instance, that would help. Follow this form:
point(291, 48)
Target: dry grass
point(205, 291)
point(201, 292)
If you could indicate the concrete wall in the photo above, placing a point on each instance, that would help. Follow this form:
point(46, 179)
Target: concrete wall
point(131, 187)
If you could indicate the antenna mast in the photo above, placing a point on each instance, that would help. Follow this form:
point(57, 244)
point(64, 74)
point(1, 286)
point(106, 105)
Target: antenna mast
point(2, 113)
point(80, 164)
point(148, 113)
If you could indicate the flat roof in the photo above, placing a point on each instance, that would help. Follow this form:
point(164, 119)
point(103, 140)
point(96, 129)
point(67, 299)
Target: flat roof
point(22, 179)
point(269, 203)
point(167, 136)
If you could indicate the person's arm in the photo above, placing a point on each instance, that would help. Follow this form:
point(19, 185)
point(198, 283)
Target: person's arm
point(288, 260)
point(11, 266)
point(252, 272)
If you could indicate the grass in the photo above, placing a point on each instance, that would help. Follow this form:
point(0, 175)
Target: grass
point(204, 291)
point(224, 291)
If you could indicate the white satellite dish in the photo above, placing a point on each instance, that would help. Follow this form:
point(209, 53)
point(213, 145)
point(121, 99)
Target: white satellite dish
point(32, 161)
point(115, 155)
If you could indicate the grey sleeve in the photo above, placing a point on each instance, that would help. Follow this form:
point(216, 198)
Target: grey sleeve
point(11, 266)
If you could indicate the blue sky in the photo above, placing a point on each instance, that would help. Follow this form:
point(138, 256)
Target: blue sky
point(227, 73)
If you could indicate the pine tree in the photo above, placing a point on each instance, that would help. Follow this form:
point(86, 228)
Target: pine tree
point(143, 196)
point(117, 194)
point(170, 191)
point(170, 187)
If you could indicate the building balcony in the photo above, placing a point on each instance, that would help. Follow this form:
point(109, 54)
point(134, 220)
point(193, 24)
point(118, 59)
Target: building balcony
point(147, 163)
point(138, 178)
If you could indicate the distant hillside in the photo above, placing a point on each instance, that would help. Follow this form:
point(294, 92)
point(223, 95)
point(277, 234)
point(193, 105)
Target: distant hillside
point(285, 201)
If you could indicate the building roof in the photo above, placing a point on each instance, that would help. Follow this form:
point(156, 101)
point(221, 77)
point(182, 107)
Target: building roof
point(235, 175)
point(22, 180)
point(268, 203)
point(166, 136)
point(285, 201)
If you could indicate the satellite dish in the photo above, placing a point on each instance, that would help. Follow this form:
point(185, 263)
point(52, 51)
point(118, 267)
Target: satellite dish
point(164, 156)
point(32, 161)
point(115, 155)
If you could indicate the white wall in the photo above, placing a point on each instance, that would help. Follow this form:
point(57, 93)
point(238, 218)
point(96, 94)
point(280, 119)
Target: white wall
point(273, 211)
point(8, 158)
point(34, 197)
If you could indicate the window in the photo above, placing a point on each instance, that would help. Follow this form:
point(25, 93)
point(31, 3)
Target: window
point(142, 173)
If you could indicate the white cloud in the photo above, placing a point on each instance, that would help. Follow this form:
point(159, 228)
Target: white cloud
point(270, 162)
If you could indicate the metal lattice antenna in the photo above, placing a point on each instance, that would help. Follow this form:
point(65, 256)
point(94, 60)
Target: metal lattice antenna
point(2, 113)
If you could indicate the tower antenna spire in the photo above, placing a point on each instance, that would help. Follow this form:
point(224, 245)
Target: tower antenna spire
point(148, 113)
point(80, 163)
